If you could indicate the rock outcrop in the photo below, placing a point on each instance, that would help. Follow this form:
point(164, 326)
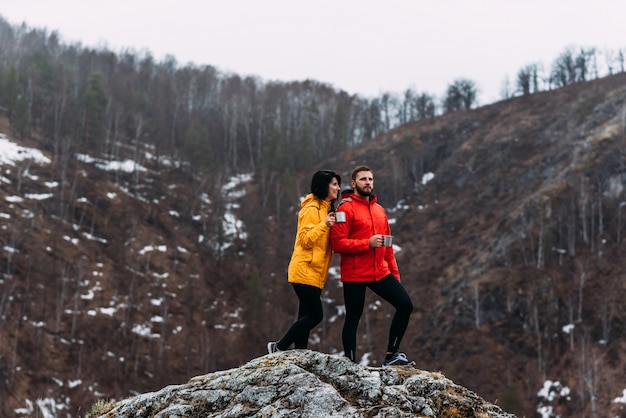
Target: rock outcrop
point(303, 383)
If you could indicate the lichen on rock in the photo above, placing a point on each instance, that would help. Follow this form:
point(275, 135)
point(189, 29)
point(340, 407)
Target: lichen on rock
point(306, 383)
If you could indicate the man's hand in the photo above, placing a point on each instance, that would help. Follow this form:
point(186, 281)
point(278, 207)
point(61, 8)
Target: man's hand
point(376, 241)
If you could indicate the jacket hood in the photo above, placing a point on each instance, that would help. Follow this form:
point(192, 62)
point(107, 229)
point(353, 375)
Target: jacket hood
point(351, 194)
point(310, 198)
point(347, 193)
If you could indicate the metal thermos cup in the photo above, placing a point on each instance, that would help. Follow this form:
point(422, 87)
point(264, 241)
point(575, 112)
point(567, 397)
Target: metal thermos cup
point(340, 216)
point(387, 240)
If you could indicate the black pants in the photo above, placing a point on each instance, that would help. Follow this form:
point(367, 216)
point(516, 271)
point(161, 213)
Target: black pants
point(310, 313)
point(391, 290)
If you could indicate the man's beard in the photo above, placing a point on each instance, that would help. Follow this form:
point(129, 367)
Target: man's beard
point(362, 192)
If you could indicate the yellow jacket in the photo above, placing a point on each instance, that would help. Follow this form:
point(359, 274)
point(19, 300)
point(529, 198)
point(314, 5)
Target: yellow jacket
point(311, 252)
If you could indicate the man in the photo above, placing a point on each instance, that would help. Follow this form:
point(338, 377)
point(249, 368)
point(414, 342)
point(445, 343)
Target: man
point(366, 263)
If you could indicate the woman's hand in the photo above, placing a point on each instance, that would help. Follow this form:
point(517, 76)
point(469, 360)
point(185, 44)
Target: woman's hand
point(342, 201)
point(330, 219)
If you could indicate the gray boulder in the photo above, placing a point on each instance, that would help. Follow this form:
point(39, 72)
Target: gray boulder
point(303, 383)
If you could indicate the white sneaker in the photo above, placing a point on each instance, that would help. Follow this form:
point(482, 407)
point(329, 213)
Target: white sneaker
point(398, 359)
point(272, 347)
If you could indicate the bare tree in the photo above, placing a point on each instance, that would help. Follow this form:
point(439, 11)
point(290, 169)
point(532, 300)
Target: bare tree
point(506, 91)
point(588, 367)
point(476, 306)
point(570, 67)
point(388, 101)
point(607, 314)
point(564, 68)
point(619, 221)
point(523, 81)
point(528, 79)
point(424, 105)
point(581, 286)
point(461, 95)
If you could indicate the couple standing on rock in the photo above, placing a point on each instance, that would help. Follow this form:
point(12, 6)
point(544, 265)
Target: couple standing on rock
point(361, 236)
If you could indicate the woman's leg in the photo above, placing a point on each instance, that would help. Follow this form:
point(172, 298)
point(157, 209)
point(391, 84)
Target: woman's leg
point(353, 299)
point(311, 306)
point(390, 289)
point(303, 340)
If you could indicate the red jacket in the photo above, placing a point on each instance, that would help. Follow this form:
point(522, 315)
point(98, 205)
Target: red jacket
point(359, 262)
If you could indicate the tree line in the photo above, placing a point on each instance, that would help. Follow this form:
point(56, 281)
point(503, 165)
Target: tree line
point(88, 100)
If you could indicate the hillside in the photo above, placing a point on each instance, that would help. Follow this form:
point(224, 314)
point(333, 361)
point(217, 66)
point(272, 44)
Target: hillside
point(516, 245)
point(123, 275)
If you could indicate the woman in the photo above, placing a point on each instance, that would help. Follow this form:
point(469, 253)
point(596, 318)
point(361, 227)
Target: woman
point(311, 258)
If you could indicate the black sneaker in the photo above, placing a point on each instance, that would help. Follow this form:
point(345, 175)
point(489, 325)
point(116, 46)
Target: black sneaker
point(397, 359)
point(272, 347)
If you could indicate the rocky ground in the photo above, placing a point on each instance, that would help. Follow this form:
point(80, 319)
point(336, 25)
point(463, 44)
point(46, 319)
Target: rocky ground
point(308, 384)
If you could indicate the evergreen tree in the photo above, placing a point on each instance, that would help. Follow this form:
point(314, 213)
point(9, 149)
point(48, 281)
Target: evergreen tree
point(95, 112)
point(9, 93)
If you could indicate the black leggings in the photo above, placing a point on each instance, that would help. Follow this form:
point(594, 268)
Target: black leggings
point(391, 290)
point(310, 313)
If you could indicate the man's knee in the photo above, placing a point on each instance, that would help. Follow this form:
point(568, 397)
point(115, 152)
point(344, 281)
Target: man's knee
point(352, 320)
point(406, 307)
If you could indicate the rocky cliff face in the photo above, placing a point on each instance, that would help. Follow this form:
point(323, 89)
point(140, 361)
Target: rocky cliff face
point(308, 384)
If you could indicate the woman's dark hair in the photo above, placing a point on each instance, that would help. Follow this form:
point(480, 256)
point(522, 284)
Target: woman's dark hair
point(320, 182)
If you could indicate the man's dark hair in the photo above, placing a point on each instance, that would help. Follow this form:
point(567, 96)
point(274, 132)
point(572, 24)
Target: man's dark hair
point(320, 182)
point(358, 170)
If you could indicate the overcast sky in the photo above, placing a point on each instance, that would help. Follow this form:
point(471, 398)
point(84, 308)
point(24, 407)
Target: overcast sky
point(361, 46)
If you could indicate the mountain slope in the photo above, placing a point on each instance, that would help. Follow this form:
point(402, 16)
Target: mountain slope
point(517, 236)
point(508, 221)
